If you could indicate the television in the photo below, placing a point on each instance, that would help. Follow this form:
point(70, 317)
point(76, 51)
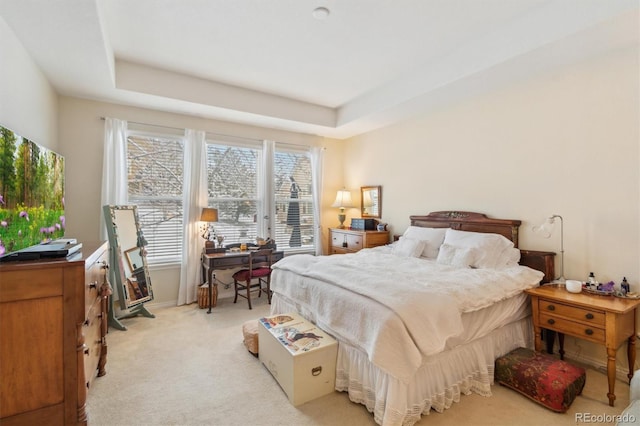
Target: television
point(31, 194)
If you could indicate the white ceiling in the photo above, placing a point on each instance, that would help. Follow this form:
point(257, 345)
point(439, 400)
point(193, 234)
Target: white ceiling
point(271, 63)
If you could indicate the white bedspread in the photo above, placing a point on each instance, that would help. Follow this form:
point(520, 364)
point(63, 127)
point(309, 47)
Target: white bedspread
point(397, 310)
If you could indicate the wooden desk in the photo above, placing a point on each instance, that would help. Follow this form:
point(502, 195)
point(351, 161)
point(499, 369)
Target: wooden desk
point(212, 261)
point(605, 320)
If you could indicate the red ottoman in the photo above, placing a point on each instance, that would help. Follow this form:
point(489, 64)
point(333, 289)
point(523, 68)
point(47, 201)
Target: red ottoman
point(546, 380)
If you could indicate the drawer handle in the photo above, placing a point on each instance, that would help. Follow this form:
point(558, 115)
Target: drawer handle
point(93, 284)
point(588, 332)
point(551, 321)
point(589, 316)
point(551, 308)
point(315, 371)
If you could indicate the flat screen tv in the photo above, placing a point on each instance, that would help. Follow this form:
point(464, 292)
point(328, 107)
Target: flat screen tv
point(31, 193)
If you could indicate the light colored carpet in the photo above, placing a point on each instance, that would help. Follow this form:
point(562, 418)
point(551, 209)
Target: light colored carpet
point(185, 367)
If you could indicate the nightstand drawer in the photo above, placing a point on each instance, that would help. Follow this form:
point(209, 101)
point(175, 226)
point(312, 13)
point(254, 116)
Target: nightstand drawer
point(353, 242)
point(562, 325)
point(587, 315)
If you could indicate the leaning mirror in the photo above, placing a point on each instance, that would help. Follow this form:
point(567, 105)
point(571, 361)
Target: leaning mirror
point(371, 201)
point(130, 272)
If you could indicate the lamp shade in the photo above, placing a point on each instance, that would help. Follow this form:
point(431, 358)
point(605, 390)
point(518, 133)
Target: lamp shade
point(343, 199)
point(545, 229)
point(209, 215)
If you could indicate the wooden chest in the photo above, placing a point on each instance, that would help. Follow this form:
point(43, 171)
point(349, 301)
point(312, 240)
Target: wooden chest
point(300, 356)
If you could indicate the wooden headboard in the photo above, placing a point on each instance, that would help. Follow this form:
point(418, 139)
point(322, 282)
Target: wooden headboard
point(469, 221)
point(477, 222)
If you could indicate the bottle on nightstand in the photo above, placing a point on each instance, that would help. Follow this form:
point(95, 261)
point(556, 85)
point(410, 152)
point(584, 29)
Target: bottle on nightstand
point(624, 286)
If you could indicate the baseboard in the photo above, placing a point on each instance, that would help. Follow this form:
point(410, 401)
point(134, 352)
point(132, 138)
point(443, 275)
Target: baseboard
point(597, 364)
point(168, 304)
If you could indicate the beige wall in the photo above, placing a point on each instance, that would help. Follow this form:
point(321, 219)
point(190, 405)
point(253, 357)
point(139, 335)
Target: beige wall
point(566, 142)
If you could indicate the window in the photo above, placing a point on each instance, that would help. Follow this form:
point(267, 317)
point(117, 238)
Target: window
point(294, 224)
point(238, 185)
point(232, 174)
point(235, 179)
point(155, 175)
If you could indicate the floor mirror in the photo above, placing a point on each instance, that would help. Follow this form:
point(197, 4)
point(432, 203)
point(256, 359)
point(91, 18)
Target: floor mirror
point(129, 270)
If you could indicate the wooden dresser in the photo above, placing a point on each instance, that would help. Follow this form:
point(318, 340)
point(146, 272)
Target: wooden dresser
point(53, 321)
point(350, 240)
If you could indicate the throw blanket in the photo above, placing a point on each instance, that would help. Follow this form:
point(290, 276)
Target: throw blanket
point(397, 310)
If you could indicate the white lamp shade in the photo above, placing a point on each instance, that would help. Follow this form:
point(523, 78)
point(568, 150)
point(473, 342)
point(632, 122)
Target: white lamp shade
point(343, 199)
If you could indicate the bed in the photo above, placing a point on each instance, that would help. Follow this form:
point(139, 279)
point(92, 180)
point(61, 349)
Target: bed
point(420, 321)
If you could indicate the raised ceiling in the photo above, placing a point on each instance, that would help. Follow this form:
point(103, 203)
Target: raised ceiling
point(272, 64)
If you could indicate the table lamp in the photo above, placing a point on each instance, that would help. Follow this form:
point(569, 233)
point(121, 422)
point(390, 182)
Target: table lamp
point(209, 215)
point(545, 229)
point(343, 200)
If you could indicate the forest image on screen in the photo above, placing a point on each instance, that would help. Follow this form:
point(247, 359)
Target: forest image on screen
point(31, 193)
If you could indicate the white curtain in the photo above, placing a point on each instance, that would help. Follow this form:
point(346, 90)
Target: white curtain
point(267, 211)
point(316, 182)
point(194, 199)
point(114, 167)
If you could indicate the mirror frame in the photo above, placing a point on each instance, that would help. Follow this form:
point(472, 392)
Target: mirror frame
point(123, 240)
point(377, 190)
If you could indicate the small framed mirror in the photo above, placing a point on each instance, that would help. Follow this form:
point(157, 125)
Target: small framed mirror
point(371, 201)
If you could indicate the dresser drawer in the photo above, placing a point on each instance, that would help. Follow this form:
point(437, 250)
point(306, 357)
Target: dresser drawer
point(91, 331)
point(95, 276)
point(573, 328)
point(586, 315)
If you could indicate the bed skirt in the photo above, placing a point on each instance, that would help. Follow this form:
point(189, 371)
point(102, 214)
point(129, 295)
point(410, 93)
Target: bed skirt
point(439, 382)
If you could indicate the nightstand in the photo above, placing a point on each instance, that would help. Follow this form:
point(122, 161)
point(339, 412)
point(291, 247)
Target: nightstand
point(350, 240)
point(605, 320)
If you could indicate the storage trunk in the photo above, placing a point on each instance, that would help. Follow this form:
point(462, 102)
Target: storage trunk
point(300, 356)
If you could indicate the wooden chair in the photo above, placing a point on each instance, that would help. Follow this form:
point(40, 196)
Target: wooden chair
point(256, 278)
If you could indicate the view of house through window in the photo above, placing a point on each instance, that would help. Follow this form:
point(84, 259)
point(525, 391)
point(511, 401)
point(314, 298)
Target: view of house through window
point(236, 182)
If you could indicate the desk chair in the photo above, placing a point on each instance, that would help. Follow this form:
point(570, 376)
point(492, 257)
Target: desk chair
point(257, 277)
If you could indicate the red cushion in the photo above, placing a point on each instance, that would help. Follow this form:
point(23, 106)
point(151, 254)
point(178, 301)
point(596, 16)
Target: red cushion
point(243, 274)
point(541, 377)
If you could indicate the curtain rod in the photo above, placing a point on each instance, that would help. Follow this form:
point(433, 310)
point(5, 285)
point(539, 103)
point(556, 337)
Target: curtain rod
point(212, 133)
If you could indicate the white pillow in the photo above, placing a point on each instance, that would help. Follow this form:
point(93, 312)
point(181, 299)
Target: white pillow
point(509, 257)
point(463, 257)
point(408, 247)
point(433, 238)
point(489, 247)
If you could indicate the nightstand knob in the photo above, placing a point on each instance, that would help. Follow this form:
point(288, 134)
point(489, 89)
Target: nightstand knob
point(589, 316)
point(551, 308)
point(551, 321)
point(588, 332)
